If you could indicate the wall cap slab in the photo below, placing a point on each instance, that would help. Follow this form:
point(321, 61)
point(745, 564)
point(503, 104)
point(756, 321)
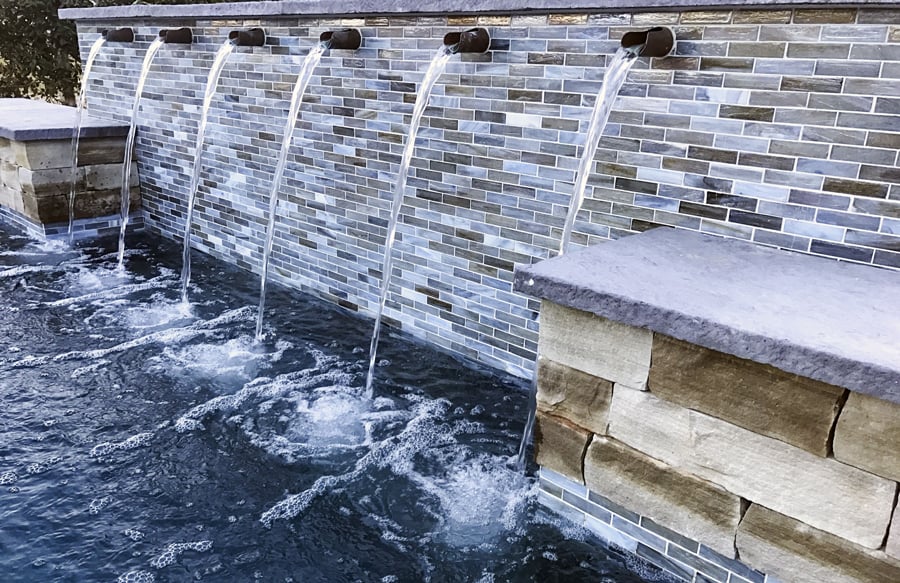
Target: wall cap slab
point(412, 7)
point(27, 120)
point(830, 321)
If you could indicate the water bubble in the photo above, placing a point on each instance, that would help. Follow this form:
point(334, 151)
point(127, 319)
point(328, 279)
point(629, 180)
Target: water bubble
point(133, 534)
point(140, 440)
point(7, 478)
point(171, 553)
point(98, 504)
point(136, 577)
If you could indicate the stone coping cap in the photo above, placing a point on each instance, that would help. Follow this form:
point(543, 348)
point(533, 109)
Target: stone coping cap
point(28, 120)
point(379, 7)
point(831, 321)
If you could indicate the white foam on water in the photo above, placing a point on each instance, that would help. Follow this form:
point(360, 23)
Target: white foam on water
point(647, 571)
point(23, 269)
point(240, 357)
point(425, 430)
point(8, 253)
point(98, 504)
point(172, 552)
point(111, 293)
point(331, 416)
point(87, 370)
point(41, 467)
point(133, 534)
point(136, 577)
point(104, 449)
point(171, 336)
point(7, 478)
point(159, 312)
point(262, 389)
point(480, 497)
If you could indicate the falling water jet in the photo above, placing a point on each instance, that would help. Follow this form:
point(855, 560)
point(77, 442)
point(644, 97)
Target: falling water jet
point(79, 110)
point(235, 39)
point(475, 40)
point(656, 42)
point(125, 193)
point(653, 43)
point(341, 39)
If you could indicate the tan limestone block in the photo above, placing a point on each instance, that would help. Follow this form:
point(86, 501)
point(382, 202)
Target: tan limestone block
point(892, 548)
point(9, 175)
point(54, 209)
point(600, 347)
point(101, 151)
point(868, 435)
point(44, 154)
point(691, 507)
point(107, 176)
point(560, 445)
point(8, 196)
point(49, 182)
point(758, 397)
point(824, 493)
point(574, 395)
point(792, 551)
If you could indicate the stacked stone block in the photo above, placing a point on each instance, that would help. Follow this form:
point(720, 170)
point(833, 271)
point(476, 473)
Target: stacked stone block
point(793, 477)
point(36, 178)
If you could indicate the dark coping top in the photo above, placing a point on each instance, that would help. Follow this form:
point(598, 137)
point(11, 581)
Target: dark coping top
point(376, 7)
point(28, 120)
point(834, 322)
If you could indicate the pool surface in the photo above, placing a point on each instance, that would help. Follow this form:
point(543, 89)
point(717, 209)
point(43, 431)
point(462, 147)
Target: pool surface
point(144, 441)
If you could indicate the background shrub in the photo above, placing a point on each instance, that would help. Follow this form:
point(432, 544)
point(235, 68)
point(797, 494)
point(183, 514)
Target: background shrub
point(39, 52)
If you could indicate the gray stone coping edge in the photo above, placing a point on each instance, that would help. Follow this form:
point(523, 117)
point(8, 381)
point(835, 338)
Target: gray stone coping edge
point(289, 8)
point(831, 321)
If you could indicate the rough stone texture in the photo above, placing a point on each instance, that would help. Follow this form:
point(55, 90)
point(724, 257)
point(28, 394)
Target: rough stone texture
point(868, 435)
point(796, 553)
point(824, 493)
point(324, 7)
point(27, 119)
point(758, 397)
point(560, 445)
point(692, 507)
point(892, 548)
point(53, 209)
point(579, 397)
point(833, 322)
point(594, 345)
point(36, 175)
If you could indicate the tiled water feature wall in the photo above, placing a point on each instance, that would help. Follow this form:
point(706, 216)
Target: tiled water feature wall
point(780, 126)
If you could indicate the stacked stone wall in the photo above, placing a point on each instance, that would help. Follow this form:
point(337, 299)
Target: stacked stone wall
point(793, 477)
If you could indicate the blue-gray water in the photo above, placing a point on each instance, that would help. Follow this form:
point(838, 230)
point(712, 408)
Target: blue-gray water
point(143, 442)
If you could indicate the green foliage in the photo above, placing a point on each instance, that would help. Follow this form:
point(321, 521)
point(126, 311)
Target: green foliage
point(39, 52)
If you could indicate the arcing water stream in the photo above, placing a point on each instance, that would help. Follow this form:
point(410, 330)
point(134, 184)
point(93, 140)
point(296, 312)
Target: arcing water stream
point(616, 72)
point(129, 145)
point(211, 81)
point(80, 105)
point(438, 63)
point(306, 71)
